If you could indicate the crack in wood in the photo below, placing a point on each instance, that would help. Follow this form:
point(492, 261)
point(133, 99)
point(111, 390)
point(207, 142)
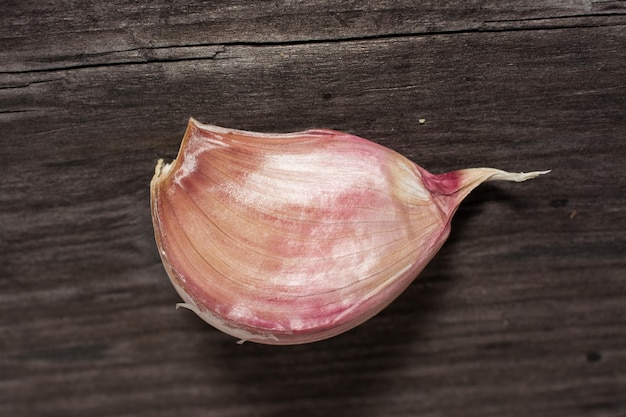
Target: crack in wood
point(142, 61)
point(16, 111)
point(28, 84)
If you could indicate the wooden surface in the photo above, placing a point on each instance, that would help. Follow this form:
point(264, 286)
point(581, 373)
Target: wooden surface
point(523, 312)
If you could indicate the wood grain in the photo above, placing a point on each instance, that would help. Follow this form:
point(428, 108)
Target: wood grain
point(522, 313)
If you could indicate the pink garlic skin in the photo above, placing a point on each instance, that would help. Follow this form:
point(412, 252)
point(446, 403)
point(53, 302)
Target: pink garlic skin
point(295, 238)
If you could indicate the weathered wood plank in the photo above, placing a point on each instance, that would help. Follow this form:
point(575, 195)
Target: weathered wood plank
point(57, 35)
point(522, 313)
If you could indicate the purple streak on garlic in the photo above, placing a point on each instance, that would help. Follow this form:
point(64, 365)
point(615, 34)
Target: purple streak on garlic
point(294, 238)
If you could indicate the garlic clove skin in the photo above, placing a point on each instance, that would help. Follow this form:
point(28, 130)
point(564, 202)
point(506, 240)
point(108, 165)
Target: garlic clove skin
point(294, 238)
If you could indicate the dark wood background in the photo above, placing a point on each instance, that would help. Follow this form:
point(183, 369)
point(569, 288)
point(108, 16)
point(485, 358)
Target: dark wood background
point(523, 312)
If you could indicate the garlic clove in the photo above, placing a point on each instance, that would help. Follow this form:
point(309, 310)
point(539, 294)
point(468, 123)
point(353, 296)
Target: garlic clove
point(294, 238)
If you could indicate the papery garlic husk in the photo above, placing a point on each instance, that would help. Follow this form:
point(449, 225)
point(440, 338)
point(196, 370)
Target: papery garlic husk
point(294, 238)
